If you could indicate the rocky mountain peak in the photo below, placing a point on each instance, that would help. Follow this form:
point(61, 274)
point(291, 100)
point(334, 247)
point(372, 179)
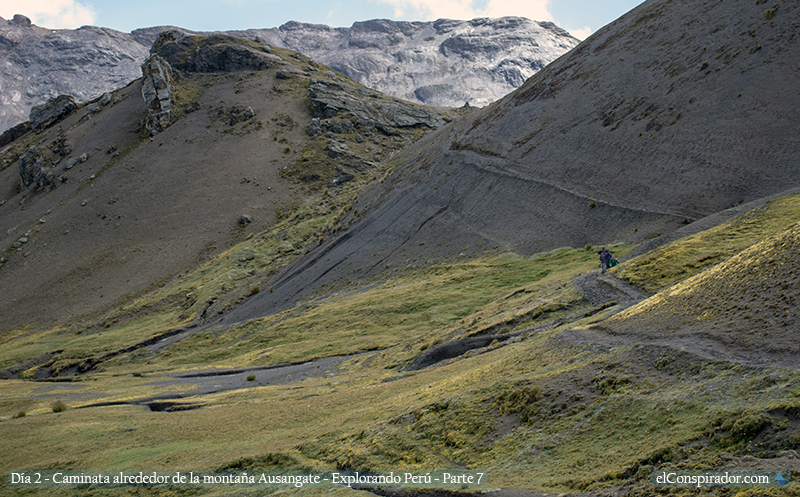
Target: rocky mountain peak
point(445, 62)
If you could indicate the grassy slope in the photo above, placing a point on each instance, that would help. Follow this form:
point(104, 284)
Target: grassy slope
point(542, 412)
point(669, 264)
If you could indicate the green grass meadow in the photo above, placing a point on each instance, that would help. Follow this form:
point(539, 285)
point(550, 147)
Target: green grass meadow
point(540, 411)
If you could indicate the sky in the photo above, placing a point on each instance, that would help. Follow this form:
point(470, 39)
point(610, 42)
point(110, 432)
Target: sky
point(579, 17)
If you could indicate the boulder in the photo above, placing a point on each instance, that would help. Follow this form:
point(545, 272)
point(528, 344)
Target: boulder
point(105, 99)
point(21, 20)
point(54, 110)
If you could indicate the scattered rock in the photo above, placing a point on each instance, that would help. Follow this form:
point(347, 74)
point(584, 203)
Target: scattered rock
point(54, 110)
point(60, 145)
point(244, 220)
point(71, 162)
point(242, 115)
point(336, 149)
point(33, 171)
point(83, 157)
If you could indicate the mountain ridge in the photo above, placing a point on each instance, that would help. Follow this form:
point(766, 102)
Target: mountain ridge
point(396, 58)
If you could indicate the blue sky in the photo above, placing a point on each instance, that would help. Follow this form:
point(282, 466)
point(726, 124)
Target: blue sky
point(579, 17)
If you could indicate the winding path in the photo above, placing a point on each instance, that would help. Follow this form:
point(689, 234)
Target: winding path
point(599, 288)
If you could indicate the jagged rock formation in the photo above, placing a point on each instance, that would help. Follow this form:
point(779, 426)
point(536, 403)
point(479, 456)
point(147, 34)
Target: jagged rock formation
point(444, 62)
point(367, 108)
point(214, 53)
point(437, 63)
point(157, 94)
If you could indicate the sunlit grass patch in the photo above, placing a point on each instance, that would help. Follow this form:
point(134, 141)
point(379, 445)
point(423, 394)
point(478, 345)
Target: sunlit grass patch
point(413, 308)
point(676, 261)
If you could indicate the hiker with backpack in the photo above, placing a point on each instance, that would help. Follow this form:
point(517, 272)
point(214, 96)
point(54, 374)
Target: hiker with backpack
point(607, 259)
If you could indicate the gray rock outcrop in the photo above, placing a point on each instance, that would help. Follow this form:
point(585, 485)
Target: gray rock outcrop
point(214, 53)
point(14, 132)
point(47, 114)
point(32, 171)
point(369, 110)
point(157, 94)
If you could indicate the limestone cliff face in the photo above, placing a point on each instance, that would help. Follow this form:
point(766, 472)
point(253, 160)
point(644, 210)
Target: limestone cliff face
point(443, 62)
point(39, 64)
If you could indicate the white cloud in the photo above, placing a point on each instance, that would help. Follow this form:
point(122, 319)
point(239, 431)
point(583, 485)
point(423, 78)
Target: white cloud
point(55, 14)
point(581, 33)
point(429, 10)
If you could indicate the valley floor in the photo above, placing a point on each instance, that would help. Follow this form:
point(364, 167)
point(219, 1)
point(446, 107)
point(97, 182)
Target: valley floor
point(549, 375)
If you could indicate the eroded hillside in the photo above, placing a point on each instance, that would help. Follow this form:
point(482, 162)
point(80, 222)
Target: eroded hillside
point(249, 138)
point(590, 149)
